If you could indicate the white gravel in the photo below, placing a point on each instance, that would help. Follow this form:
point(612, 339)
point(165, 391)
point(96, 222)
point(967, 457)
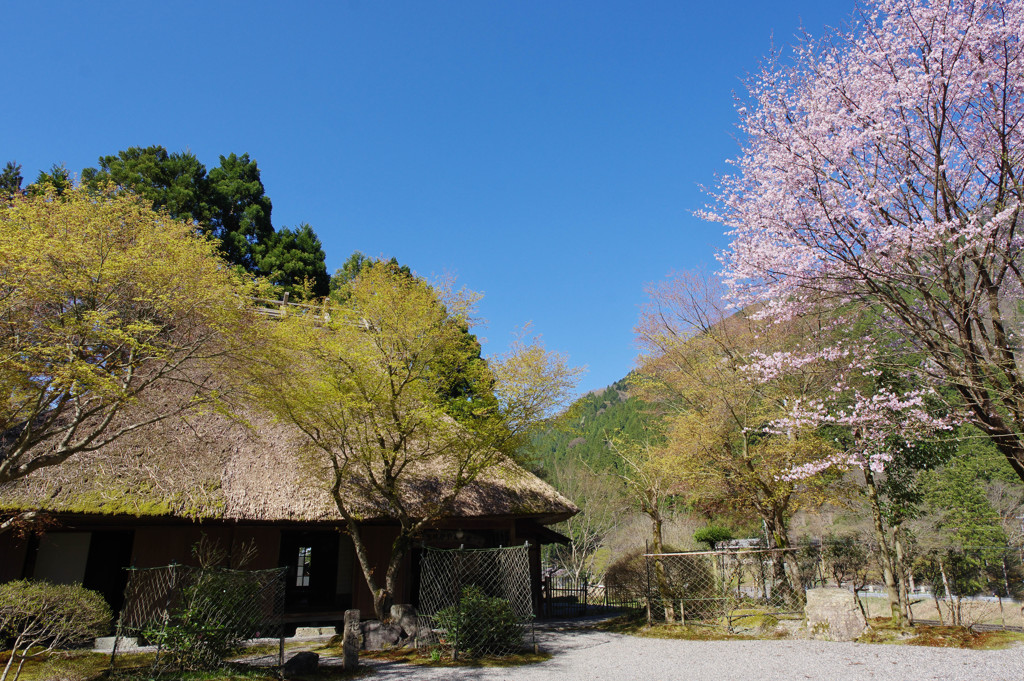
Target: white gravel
point(591, 655)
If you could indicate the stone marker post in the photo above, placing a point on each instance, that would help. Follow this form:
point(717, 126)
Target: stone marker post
point(350, 640)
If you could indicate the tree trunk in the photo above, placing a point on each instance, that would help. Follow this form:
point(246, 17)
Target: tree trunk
point(659, 568)
point(380, 596)
point(953, 614)
point(901, 577)
point(790, 560)
point(399, 548)
point(883, 548)
point(938, 607)
point(786, 584)
point(10, 660)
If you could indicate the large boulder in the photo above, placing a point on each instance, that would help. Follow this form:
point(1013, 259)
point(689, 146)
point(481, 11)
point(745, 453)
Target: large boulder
point(405, 617)
point(833, 615)
point(379, 635)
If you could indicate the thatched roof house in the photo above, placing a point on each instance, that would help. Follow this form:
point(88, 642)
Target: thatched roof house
point(146, 499)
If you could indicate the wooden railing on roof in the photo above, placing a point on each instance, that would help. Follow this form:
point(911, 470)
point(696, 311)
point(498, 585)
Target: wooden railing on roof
point(278, 309)
point(281, 308)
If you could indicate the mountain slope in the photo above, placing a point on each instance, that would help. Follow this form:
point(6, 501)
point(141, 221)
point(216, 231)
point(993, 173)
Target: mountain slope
point(583, 433)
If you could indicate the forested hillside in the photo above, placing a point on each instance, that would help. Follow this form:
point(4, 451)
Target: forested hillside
point(583, 434)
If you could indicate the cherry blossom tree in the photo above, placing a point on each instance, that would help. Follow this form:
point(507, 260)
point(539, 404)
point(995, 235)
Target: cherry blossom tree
point(883, 166)
point(883, 423)
point(732, 392)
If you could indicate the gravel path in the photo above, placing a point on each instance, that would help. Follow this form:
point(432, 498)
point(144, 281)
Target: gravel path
point(592, 655)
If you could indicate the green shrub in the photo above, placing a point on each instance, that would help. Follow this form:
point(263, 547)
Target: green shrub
point(480, 624)
point(846, 559)
point(37, 618)
point(713, 535)
point(211, 618)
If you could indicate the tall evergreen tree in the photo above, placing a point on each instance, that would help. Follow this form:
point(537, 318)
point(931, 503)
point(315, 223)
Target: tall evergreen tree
point(176, 182)
point(241, 209)
point(294, 259)
point(57, 180)
point(229, 203)
point(11, 179)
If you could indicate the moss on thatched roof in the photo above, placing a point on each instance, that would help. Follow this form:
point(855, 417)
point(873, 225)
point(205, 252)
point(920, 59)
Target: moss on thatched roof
point(209, 465)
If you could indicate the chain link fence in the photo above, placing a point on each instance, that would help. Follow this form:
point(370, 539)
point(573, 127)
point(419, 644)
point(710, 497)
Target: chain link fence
point(979, 588)
point(754, 589)
point(177, 619)
point(477, 602)
point(735, 589)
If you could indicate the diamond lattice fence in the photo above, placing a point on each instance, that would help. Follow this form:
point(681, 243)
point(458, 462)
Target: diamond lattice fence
point(186, 618)
point(478, 601)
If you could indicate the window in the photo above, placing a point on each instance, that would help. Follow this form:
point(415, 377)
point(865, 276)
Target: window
point(302, 571)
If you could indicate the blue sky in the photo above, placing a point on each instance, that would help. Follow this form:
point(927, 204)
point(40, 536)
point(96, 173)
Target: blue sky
point(549, 154)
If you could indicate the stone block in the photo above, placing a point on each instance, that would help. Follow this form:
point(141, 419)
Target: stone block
point(314, 632)
point(105, 644)
point(833, 615)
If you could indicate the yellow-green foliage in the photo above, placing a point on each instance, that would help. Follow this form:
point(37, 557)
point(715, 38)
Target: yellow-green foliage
point(38, 617)
point(104, 303)
point(395, 399)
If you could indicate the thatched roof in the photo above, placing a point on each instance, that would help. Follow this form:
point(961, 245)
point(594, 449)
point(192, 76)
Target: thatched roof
point(209, 465)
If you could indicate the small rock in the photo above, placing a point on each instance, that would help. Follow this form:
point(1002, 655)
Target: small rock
point(302, 663)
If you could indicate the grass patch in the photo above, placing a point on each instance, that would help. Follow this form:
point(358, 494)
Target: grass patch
point(632, 625)
point(883, 631)
point(427, 658)
point(89, 666)
point(72, 666)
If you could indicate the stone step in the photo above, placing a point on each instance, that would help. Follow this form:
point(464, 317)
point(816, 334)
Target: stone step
point(314, 632)
point(105, 644)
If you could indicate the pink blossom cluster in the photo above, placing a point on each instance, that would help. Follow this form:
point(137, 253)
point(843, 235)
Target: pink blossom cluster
point(882, 166)
point(874, 414)
point(873, 419)
point(880, 156)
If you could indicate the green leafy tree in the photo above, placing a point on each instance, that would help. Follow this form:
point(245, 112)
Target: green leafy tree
point(346, 274)
point(961, 511)
point(394, 399)
point(104, 303)
point(699, 368)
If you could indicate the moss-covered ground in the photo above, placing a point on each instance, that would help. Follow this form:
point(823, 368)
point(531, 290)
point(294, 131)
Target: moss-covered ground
point(882, 631)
